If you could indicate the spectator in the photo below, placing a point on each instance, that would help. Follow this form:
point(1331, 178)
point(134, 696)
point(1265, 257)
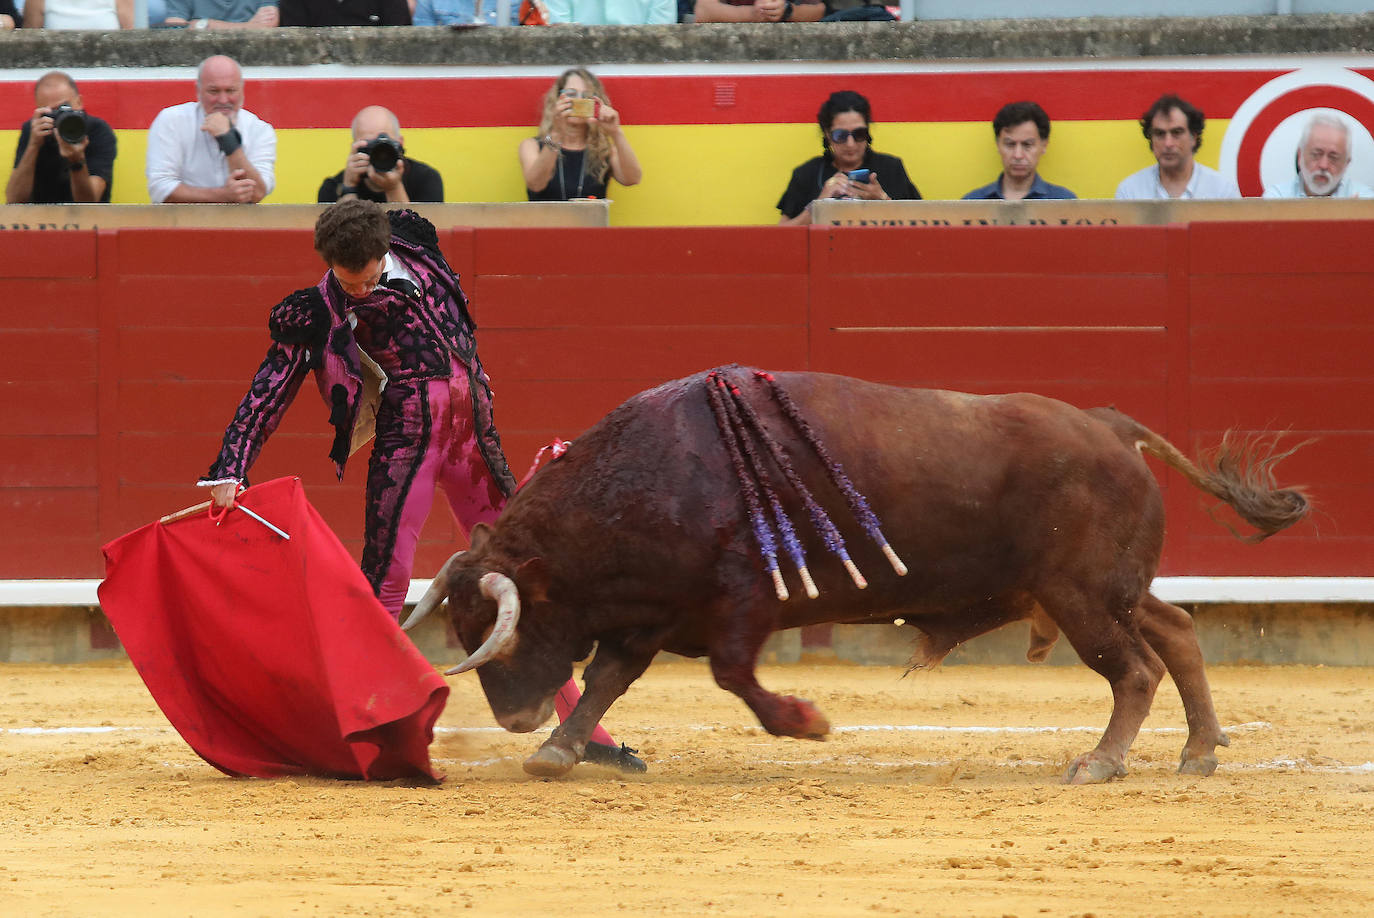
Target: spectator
point(75, 165)
point(1022, 130)
point(612, 12)
point(461, 12)
point(9, 16)
point(846, 138)
point(1174, 129)
point(407, 180)
point(222, 14)
point(759, 10)
point(79, 14)
point(344, 12)
point(1322, 160)
point(576, 155)
point(211, 151)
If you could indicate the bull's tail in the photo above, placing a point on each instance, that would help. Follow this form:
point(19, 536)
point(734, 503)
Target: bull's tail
point(434, 596)
point(1239, 472)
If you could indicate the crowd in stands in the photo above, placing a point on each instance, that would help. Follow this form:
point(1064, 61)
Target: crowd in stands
point(213, 150)
point(267, 14)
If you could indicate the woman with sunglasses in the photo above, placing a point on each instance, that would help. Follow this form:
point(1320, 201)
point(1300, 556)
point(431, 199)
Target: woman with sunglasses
point(845, 135)
point(580, 146)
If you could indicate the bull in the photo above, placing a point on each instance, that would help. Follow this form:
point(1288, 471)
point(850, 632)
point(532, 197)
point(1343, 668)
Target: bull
point(1002, 508)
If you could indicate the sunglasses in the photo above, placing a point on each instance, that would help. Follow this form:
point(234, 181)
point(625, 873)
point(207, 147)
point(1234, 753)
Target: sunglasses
point(840, 135)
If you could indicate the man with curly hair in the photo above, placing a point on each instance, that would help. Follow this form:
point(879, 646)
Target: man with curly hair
point(387, 330)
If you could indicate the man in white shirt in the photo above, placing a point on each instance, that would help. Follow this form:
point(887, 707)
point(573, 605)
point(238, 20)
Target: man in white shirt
point(1323, 158)
point(1174, 129)
point(211, 151)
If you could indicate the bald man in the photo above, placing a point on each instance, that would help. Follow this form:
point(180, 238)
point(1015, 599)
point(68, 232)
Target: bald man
point(212, 150)
point(406, 181)
point(52, 169)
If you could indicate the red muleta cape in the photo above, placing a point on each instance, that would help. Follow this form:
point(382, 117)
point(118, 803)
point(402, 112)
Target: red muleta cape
point(270, 656)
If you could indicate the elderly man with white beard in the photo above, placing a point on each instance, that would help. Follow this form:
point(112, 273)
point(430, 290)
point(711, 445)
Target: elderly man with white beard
point(1322, 160)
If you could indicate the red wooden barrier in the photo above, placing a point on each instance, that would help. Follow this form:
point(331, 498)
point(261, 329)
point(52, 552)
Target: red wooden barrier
point(124, 353)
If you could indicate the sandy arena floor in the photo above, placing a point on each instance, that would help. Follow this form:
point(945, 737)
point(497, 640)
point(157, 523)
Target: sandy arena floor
point(958, 811)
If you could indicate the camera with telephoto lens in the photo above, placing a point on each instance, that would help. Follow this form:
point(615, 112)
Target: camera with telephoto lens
point(383, 153)
point(68, 122)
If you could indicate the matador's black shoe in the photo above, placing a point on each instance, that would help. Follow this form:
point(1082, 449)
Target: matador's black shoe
point(623, 758)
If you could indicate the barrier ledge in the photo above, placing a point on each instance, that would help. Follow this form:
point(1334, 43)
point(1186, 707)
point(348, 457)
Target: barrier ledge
point(14, 593)
point(1082, 212)
point(291, 216)
point(924, 40)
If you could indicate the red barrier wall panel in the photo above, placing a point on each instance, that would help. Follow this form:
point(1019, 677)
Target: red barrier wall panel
point(47, 462)
point(44, 410)
point(48, 303)
point(48, 254)
point(1191, 330)
point(992, 355)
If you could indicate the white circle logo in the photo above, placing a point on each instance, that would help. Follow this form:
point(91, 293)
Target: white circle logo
point(1261, 142)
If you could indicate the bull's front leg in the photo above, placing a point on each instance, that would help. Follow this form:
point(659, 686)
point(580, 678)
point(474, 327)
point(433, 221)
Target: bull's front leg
point(606, 678)
point(734, 654)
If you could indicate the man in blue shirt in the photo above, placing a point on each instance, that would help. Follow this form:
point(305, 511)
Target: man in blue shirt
point(1022, 130)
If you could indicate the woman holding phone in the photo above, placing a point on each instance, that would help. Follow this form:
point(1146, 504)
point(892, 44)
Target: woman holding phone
point(580, 146)
point(849, 167)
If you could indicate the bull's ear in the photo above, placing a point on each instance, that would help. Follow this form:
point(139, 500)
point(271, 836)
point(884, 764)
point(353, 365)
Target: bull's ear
point(478, 538)
point(533, 578)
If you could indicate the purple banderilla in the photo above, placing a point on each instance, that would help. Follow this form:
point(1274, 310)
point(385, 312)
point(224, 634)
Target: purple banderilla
point(736, 419)
point(731, 435)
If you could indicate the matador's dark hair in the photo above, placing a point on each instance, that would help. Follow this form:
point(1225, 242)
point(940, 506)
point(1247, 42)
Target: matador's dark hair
point(352, 233)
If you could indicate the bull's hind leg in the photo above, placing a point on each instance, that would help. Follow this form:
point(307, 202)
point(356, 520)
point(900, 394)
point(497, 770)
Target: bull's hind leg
point(1115, 650)
point(1170, 632)
point(734, 653)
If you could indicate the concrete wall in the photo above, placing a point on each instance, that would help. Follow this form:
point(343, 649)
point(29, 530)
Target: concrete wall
point(1097, 38)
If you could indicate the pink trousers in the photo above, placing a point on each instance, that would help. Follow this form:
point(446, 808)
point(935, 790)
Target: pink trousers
point(452, 463)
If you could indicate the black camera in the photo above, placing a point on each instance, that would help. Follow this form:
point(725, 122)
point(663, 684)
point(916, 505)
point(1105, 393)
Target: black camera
point(383, 153)
point(68, 122)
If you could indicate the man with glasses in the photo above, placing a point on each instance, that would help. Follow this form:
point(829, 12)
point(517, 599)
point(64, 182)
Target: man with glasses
point(1173, 127)
point(1322, 160)
point(848, 167)
point(389, 309)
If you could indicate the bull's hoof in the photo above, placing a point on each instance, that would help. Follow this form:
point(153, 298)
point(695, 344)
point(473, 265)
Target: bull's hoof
point(1200, 765)
point(550, 762)
point(801, 719)
point(1093, 768)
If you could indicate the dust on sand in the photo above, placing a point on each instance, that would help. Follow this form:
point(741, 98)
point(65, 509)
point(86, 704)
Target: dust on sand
point(962, 815)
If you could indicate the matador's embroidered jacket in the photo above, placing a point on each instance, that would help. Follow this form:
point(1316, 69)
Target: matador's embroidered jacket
point(411, 339)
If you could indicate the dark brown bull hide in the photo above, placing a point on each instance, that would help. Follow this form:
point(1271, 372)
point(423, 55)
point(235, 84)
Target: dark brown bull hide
point(1003, 508)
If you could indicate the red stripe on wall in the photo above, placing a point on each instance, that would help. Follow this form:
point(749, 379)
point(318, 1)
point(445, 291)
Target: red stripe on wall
point(468, 102)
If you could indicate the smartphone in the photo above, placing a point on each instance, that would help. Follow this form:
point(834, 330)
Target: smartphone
point(860, 175)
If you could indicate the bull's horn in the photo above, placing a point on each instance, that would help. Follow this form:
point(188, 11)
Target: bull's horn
point(502, 589)
point(434, 596)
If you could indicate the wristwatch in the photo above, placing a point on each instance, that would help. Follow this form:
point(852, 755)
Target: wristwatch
point(201, 24)
point(77, 166)
point(347, 189)
point(787, 11)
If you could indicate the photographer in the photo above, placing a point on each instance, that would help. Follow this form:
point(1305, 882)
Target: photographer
point(377, 168)
point(64, 155)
